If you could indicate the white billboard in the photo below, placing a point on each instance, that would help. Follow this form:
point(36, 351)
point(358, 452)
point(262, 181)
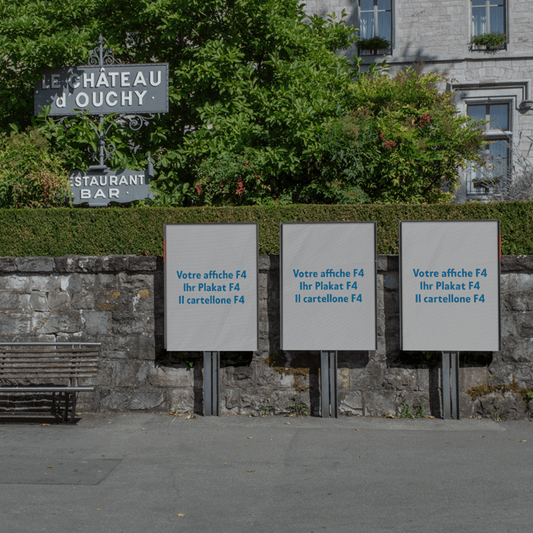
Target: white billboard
point(211, 287)
point(328, 286)
point(450, 285)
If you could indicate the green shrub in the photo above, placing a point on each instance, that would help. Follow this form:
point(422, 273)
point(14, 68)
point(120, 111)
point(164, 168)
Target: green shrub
point(490, 39)
point(374, 43)
point(139, 231)
point(30, 176)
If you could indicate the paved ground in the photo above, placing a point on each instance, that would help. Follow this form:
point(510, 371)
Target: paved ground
point(141, 473)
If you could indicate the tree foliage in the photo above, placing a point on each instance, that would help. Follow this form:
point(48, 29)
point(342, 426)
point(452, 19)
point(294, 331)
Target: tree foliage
point(402, 141)
point(252, 87)
point(30, 176)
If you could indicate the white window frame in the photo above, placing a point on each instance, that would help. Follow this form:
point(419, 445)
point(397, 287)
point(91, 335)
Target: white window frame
point(491, 135)
point(515, 92)
point(376, 11)
point(487, 14)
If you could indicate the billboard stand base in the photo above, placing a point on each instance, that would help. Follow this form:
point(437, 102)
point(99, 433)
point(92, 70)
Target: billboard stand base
point(211, 383)
point(450, 386)
point(328, 384)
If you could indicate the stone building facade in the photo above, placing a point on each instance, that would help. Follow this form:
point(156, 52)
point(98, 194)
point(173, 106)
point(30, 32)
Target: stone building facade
point(490, 83)
point(119, 302)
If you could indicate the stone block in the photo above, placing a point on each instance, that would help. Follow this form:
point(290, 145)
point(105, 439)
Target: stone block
point(181, 400)
point(400, 379)
point(134, 281)
point(524, 282)
point(391, 281)
point(517, 263)
point(230, 400)
point(517, 350)
point(343, 379)
point(60, 324)
point(472, 376)
point(525, 325)
point(105, 376)
point(499, 407)
point(508, 282)
point(128, 347)
point(351, 402)
point(86, 402)
point(466, 405)
point(14, 323)
point(112, 263)
point(370, 377)
point(168, 376)
point(39, 302)
point(8, 264)
point(149, 263)
point(237, 376)
point(509, 325)
point(131, 373)
point(58, 301)
point(9, 300)
point(44, 283)
point(148, 399)
point(17, 283)
point(379, 403)
point(113, 399)
point(388, 262)
point(131, 324)
point(96, 322)
point(265, 375)
point(35, 264)
point(82, 300)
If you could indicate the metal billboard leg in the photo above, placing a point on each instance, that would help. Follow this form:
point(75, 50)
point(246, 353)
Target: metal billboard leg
point(454, 385)
point(211, 383)
point(446, 407)
point(328, 384)
point(450, 386)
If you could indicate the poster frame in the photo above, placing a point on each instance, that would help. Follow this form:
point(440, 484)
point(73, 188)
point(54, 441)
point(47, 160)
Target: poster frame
point(374, 223)
point(256, 255)
point(499, 256)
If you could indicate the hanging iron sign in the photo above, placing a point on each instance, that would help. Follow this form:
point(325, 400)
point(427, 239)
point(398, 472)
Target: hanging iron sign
point(106, 86)
point(122, 89)
point(98, 188)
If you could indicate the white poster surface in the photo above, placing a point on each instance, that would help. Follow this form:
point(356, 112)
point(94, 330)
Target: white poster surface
point(211, 287)
point(450, 285)
point(328, 297)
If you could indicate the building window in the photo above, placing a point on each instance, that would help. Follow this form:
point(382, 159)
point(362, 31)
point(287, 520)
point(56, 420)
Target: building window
point(497, 153)
point(488, 17)
point(375, 26)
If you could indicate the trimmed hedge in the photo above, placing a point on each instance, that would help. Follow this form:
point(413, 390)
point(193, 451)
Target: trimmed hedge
point(139, 231)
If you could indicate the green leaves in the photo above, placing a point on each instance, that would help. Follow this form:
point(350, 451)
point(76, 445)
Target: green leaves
point(248, 79)
point(402, 142)
point(30, 176)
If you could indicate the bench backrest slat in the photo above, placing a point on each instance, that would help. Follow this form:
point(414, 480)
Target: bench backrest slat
point(48, 360)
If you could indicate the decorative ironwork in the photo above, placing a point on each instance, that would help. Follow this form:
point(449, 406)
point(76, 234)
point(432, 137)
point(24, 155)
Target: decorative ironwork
point(134, 122)
point(102, 56)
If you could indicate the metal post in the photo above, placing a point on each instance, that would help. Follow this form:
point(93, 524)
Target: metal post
point(450, 386)
point(328, 384)
point(101, 142)
point(211, 383)
point(446, 407)
point(454, 385)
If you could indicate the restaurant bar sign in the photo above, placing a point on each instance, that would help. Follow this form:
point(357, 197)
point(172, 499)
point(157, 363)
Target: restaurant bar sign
point(98, 189)
point(122, 89)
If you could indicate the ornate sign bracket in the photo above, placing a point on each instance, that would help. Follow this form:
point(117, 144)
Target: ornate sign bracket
point(103, 57)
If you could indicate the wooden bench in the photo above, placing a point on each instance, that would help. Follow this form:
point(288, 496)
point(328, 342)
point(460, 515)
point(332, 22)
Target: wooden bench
point(42, 367)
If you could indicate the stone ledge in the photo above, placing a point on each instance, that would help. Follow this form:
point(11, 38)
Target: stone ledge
point(517, 263)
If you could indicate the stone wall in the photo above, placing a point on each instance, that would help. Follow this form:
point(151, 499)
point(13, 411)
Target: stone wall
point(118, 301)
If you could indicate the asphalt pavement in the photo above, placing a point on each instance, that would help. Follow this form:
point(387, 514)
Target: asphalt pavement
point(140, 473)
